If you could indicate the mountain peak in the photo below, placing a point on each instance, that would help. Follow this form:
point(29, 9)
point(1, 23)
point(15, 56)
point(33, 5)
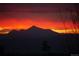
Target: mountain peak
point(35, 28)
point(38, 29)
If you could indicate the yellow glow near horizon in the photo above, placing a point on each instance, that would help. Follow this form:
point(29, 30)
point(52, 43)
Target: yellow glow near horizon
point(6, 31)
point(1, 28)
point(66, 31)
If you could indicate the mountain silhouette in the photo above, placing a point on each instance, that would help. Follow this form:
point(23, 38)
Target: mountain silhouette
point(34, 41)
point(34, 30)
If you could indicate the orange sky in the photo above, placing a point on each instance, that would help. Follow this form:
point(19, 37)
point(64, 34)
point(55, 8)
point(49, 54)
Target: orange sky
point(15, 23)
point(56, 17)
point(26, 23)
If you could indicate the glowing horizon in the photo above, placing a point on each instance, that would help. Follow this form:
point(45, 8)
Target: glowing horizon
point(56, 17)
point(70, 31)
point(15, 24)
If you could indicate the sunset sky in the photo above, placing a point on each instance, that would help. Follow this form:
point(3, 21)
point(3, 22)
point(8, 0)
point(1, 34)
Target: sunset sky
point(56, 17)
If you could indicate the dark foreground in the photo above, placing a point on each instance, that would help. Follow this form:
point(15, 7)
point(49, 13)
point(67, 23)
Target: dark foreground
point(38, 42)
